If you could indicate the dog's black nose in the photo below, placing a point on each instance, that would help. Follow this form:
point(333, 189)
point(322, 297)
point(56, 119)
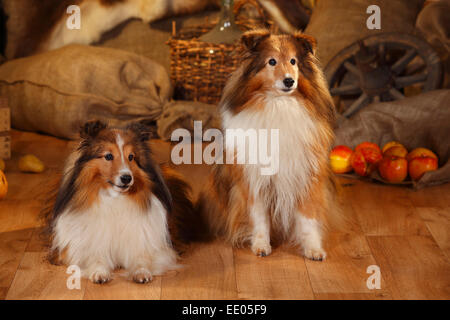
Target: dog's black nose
point(126, 179)
point(288, 82)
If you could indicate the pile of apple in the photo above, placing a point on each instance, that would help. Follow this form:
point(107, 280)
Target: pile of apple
point(393, 161)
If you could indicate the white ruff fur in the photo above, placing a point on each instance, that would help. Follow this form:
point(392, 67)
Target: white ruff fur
point(115, 232)
point(297, 163)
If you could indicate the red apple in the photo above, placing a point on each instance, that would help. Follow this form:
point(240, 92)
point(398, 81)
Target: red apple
point(366, 145)
point(421, 152)
point(396, 151)
point(391, 144)
point(393, 169)
point(419, 165)
point(340, 159)
point(372, 156)
point(371, 152)
point(359, 164)
point(366, 158)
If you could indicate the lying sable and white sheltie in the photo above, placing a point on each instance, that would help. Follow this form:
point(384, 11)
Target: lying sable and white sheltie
point(116, 208)
point(278, 85)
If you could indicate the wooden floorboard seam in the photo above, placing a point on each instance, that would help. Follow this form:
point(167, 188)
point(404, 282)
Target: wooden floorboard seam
point(18, 266)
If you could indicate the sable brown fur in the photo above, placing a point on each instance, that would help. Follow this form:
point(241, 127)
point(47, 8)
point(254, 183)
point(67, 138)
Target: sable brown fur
point(79, 186)
point(227, 198)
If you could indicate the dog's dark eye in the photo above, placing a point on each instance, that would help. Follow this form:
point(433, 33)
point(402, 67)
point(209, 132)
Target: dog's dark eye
point(109, 157)
point(272, 62)
point(130, 157)
point(293, 61)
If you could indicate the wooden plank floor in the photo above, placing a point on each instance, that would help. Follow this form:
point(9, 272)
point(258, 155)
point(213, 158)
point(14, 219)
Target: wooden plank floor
point(405, 233)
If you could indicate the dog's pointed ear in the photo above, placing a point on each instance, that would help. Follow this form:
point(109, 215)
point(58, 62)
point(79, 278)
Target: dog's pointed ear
point(91, 129)
point(252, 38)
point(141, 131)
point(308, 43)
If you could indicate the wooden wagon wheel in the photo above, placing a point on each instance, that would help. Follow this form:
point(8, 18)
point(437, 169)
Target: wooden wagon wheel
point(379, 68)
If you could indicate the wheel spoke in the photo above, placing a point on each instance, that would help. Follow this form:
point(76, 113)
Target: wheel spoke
point(345, 89)
point(352, 68)
point(405, 81)
point(416, 67)
point(355, 106)
point(401, 63)
point(396, 94)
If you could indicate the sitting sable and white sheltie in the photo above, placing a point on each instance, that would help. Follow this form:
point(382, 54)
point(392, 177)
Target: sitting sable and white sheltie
point(116, 208)
point(278, 85)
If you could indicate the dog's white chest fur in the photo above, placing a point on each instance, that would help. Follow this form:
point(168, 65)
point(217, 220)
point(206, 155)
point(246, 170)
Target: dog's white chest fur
point(297, 162)
point(116, 232)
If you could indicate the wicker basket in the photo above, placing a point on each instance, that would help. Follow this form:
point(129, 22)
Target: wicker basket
point(199, 70)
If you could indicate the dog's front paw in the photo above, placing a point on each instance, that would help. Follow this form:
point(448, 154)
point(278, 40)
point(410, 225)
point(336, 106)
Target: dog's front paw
point(317, 254)
point(142, 275)
point(100, 276)
point(261, 248)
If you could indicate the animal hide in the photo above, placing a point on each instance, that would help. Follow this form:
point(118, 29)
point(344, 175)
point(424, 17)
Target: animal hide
point(37, 26)
point(290, 15)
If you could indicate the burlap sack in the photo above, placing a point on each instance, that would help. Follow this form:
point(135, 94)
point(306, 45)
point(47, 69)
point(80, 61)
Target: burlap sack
point(433, 24)
point(420, 121)
point(55, 92)
point(337, 24)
